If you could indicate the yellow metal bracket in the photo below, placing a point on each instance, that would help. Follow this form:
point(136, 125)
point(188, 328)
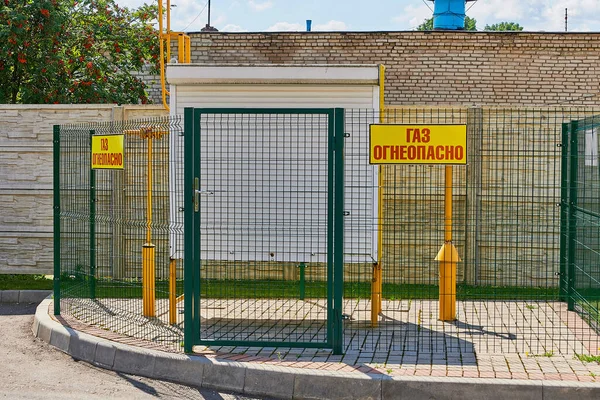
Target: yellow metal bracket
point(184, 44)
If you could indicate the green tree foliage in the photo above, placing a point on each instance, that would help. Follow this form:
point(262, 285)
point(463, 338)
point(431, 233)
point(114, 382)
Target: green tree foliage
point(427, 25)
point(69, 51)
point(470, 24)
point(504, 26)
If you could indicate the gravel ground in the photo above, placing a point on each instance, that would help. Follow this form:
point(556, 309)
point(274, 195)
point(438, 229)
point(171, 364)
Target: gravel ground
point(32, 369)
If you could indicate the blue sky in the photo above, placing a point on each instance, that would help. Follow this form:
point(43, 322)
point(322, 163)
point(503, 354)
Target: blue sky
point(373, 15)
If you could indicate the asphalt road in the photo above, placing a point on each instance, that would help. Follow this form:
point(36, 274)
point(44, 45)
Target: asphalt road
point(32, 369)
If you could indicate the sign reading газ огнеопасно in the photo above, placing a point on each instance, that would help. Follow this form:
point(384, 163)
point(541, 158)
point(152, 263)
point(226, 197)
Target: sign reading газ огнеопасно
point(418, 144)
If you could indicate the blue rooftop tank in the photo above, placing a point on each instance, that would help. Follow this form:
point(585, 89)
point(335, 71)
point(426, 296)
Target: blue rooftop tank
point(449, 14)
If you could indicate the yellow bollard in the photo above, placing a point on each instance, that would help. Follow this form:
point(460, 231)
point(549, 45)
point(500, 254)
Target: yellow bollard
point(173, 292)
point(448, 257)
point(148, 280)
point(380, 287)
point(375, 295)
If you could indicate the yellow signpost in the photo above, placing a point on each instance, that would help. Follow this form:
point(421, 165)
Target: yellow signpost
point(149, 133)
point(107, 152)
point(428, 144)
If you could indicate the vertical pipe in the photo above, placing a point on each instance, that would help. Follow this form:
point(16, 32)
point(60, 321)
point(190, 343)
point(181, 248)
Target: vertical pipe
point(148, 279)
point(92, 226)
point(381, 189)
point(188, 49)
point(149, 192)
point(173, 292)
point(181, 51)
point(375, 296)
point(148, 250)
point(168, 33)
point(573, 176)
point(56, 231)
point(448, 257)
point(377, 284)
point(208, 13)
point(161, 56)
point(448, 205)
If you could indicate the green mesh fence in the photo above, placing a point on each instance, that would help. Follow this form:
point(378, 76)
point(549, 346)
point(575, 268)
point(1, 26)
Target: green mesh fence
point(506, 227)
point(581, 219)
point(104, 225)
point(526, 219)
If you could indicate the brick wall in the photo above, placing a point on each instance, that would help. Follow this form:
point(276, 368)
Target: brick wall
point(435, 68)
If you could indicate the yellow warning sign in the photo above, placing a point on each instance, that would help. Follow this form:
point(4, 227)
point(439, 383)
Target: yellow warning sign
point(107, 152)
point(418, 144)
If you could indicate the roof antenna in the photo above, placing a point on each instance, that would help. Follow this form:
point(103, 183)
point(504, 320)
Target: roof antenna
point(209, 28)
point(566, 18)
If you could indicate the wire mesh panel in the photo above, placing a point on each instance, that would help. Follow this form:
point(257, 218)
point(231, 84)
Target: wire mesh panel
point(265, 265)
point(107, 218)
point(506, 228)
point(582, 223)
point(525, 223)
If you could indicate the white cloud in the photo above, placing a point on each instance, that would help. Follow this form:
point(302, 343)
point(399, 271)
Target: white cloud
point(330, 26)
point(286, 27)
point(233, 28)
point(538, 15)
point(189, 15)
point(221, 19)
point(412, 16)
point(498, 10)
point(260, 6)
point(582, 16)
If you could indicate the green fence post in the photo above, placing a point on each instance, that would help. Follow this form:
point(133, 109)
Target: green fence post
point(302, 268)
point(573, 172)
point(564, 206)
point(338, 234)
point(196, 135)
point(92, 225)
point(188, 232)
point(330, 224)
point(56, 182)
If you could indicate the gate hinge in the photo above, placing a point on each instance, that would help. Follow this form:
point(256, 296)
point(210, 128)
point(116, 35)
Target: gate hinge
point(561, 145)
point(346, 135)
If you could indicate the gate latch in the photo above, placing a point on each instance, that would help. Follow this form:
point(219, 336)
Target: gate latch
point(198, 192)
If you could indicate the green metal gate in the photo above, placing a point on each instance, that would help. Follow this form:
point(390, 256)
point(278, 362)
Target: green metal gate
point(263, 227)
point(580, 219)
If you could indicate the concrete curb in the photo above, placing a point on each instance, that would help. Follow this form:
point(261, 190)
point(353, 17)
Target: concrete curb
point(291, 383)
point(23, 296)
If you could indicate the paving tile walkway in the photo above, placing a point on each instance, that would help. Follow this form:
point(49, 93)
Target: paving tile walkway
point(502, 339)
